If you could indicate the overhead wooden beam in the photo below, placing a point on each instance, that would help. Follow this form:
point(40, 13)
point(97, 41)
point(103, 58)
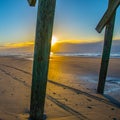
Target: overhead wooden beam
point(106, 52)
point(32, 2)
point(108, 14)
point(45, 18)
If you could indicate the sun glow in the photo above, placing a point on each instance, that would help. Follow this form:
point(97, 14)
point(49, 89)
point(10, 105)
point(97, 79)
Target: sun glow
point(54, 40)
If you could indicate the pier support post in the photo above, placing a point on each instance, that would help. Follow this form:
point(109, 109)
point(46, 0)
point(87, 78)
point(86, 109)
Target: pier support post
point(106, 52)
point(45, 18)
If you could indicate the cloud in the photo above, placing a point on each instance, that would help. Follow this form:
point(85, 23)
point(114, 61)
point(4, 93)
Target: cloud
point(20, 44)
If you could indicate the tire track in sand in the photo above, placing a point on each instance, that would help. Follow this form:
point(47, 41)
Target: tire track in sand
point(67, 108)
point(77, 91)
point(14, 78)
point(55, 101)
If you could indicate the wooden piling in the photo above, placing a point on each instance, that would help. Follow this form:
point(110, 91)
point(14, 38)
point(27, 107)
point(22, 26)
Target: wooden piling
point(106, 52)
point(45, 18)
point(108, 14)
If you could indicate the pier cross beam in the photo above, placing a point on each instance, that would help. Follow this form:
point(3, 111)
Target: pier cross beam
point(44, 27)
point(107, 20)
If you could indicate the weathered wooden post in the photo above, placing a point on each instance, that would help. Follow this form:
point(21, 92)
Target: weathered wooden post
point(108, 14)
point(45, 18)
point(108, 20)
point(106, 54)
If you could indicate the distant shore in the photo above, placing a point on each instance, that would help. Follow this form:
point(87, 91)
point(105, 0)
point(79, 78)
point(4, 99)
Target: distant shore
point(71, 89)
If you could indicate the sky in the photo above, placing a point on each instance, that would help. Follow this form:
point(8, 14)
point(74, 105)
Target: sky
point(75, 21)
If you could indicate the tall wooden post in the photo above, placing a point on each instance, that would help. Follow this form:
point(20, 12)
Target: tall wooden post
point(45, 18)
point(108, 14)
point(106, 52)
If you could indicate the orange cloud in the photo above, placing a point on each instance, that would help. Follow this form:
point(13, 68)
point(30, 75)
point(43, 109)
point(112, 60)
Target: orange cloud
point(21, 44)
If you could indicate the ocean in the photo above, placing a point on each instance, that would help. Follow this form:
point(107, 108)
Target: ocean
point(112, 55)
point(71, 54)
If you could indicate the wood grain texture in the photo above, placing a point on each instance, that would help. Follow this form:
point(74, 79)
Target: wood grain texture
point(45, 18)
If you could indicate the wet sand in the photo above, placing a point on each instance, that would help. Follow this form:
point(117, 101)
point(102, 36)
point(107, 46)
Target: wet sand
point(71, 89)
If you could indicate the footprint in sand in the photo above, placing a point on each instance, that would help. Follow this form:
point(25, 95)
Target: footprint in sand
point(54, 93)
point(66, 99)
point(12, 94)
point(112, 109)
point(89, 107)
point(89, 100)
point(76, 104)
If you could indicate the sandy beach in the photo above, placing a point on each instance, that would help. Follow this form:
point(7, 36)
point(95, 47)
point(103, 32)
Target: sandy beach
point(71, 89)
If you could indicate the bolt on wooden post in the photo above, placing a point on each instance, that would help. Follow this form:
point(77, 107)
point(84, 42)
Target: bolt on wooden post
point(45, 18)
point(108, 20)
